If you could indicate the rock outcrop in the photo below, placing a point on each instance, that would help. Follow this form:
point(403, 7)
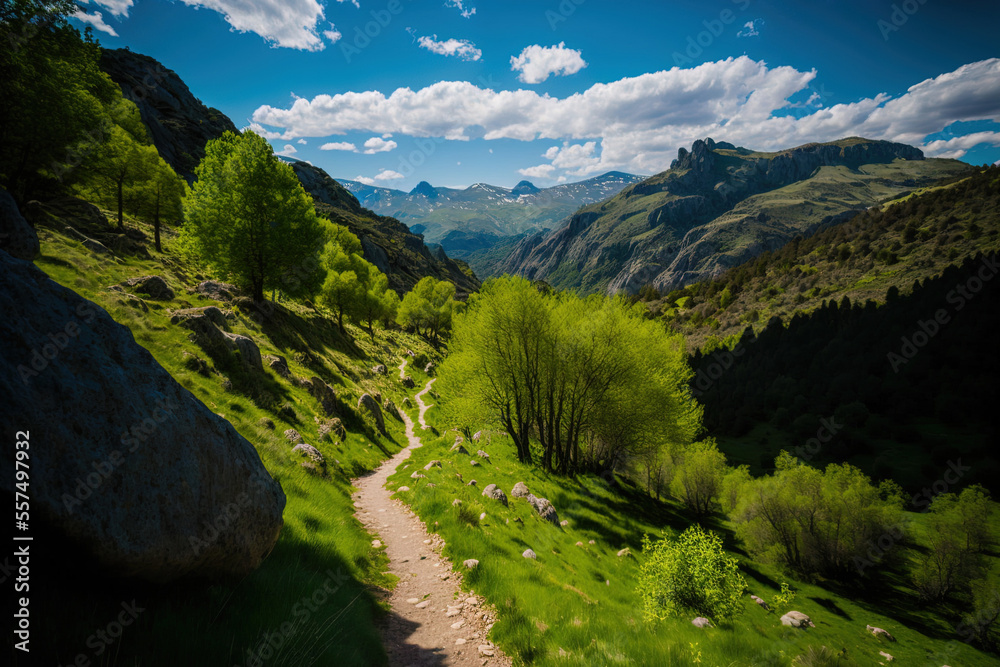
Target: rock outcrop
point(17, 237)
point(496, 493)
point(366, 402)
point(153, 287)
point(796, 619)
point(135, 472)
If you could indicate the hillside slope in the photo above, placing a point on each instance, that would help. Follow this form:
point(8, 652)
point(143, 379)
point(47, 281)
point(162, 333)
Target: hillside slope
point(478, 217)
point(716, 207)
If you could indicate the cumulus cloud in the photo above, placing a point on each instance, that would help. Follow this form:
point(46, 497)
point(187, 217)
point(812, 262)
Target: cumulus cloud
point(539, 171)
point(384, 175)
point(288, 151)
point(303, 142)
point(957, 147)
point(461, 48)
point(353, 2)
point(288, 23)
point(640, 122)
point(466, 12)
point(339, 146)
point(96, 20)
point(114, 7)
point(379, 145)
point(536, 63)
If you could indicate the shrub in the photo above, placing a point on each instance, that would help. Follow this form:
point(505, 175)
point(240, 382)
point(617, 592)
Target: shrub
point(692, 573)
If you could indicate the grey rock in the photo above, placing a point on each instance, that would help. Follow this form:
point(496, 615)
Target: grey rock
point(192, 499)
point(315, 457)
point(470, 564)
point(408, 382)
point(323, 393)
point(483, 455)
point(528, 553)
point(429, 368)
point(279, 365)
point(797, 619)
point(17, 237)
point(544, 509)
point(292, 435)
point(520, 490)
point(496, 493)
point(210, 313)
point(702, 622)
point(380, 370)
point(219, 291)
point(247, 349)
point(432, 464)
point(879, 632)
point(154, 287)
point(368, 403)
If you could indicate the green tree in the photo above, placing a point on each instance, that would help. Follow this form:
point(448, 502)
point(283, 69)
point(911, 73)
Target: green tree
point(159, 195)
point(344, 289)
point(690, 574)
point(698, 477)
point(249, 217)
point(429, 307)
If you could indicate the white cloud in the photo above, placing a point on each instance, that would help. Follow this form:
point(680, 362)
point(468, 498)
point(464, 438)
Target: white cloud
point(536, 63)
point(378, 145)
point(957, 147)
point(640, 122)
point(384, 175)
point(257, 128)
point(751, 28)
point(288, 23)
point(461, 48)
point(302, 142)
point(539, 171)
point(96, 20)
point(466, 12)
point(339, 146)
point(333, 35)
point(353, 2)
point(114, 7)
point(288, 151)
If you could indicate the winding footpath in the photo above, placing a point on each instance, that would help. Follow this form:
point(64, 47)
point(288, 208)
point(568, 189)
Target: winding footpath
point(432, 621)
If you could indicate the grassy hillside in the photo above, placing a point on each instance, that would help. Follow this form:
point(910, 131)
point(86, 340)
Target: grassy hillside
point(910, 238)
point(576, 603)
point(322, 546)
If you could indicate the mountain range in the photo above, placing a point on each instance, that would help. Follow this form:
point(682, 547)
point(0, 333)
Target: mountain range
point(464, 220)
point(717, 206)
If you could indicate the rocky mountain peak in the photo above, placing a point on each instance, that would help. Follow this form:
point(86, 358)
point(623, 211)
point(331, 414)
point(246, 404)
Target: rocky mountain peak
point(426, 189)
point(525, 188)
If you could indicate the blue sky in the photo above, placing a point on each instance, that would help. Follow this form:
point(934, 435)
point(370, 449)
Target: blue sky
point(454, 92)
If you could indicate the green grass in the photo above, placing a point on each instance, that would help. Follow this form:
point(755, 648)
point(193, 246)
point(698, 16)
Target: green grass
point(321, 546)
point(578, 605)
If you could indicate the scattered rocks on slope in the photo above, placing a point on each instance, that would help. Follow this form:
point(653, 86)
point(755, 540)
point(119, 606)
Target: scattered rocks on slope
point(624, 553)
point(702, 622)
point(520, 490)
point(544, 509)
point(248, 351)
point(797, 619)
point(214, 289)
point(888, 657)
point(323, 393)
point(279, 365)
point(154, 287)
point(316, 462)
point(879, 632)
point(760, 602)
point(191, 498)
point(471, 564)
point(432, 464)
point(292, 435)
point(391, 408)
point(477, 435)
point(528, 553)
point(379, 370)
point(371, 405)
point(17, 237)
point(408, 382)
point(212, 314)
point(334, 428)
point(496, 493)
point(429, 368)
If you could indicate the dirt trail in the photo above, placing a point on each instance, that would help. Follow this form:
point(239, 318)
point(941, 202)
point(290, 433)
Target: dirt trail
point(432, 621)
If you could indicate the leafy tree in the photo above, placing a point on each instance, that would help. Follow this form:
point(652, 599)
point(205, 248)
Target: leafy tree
point(159, 196)
point(960, 531)
point(429, 306)
point(55, 97)
point(123, 161)
point(690, 574)
point(344, 289)
point(248, 215)
point(699, 475)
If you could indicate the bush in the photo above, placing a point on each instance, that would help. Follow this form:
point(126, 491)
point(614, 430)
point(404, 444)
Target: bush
point(691, 574)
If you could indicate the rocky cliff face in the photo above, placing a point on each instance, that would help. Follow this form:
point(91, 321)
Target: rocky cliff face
point(717, 206)
point(179, 124)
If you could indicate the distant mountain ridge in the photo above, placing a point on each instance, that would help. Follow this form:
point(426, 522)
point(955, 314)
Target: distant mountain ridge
point(180, 125)
point(719, 205)
point(464, 220)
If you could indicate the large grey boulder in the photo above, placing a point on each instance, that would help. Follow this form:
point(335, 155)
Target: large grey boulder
point(323, 393)
point(368, 403)
point(17, 237)
point(520, 490)
point(279, 365)
point(797, 619)
point(131, 468)
point(214, 289)
point(544, 508)
point(210, 313)
point(247, 349)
